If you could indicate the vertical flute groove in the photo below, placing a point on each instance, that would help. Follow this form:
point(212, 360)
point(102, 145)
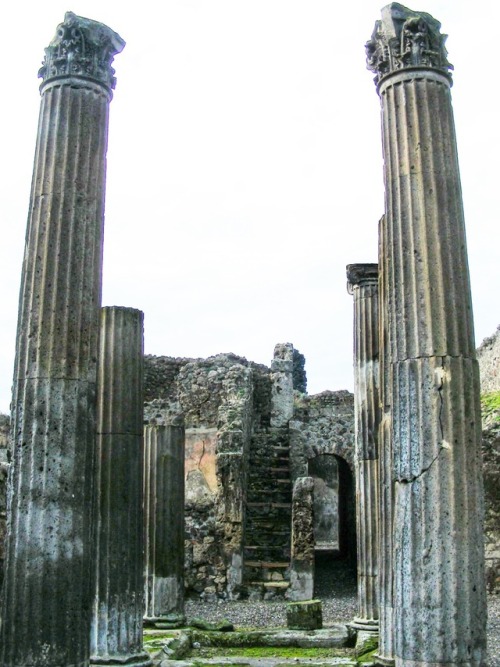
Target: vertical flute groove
point(363, 283)
point(47, 596)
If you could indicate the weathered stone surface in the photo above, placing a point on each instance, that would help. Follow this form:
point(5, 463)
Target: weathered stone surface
point(116, 629)
point(491, 467)
point(47, 590)
point(488, 356)
point(323, 428)
point(386, 486)
point(439, 593)
point(324, 469)
point(363, 285)
point(164, 522)
point(219, 626)
point(238, 465)
point(307, 615)
point(321, 424)
point(302, 561)
point(282, 385)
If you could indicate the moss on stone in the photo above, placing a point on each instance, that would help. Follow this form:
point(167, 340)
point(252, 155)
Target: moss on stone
point(490, 407)
point(282, 652)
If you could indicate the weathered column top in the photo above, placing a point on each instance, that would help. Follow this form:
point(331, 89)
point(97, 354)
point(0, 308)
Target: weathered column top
point(405, 43)
point(360, 275)
point(82, 49)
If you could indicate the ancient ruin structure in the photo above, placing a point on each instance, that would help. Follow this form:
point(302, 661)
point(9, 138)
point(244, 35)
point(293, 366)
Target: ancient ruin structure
point(240, 469)
point(438, 559)
point(116, 630)
point(164, 524)
point(363, 285)
point(247, 482)
point(302, 541)
point(47, 594)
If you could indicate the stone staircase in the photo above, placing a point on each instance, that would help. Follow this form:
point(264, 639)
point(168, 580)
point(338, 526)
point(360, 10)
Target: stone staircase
point(268, 516)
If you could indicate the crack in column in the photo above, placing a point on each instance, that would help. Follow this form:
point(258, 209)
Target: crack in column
point(439, 375)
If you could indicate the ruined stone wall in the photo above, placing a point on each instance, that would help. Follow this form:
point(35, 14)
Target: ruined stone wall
point(488, 355)
point(324, 425)
point(221, 399)
point(491, 468)
point(321, 424)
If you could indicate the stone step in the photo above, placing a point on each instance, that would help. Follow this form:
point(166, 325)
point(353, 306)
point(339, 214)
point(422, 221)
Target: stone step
point(255, 547)
point(267, 564)
point(281, 494)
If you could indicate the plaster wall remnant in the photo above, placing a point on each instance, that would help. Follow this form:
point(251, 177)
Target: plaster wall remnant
point(116, 630)
point(164, 524)
point(302, 551)
point(439, 589)
point(363, 285)
point(47, 595)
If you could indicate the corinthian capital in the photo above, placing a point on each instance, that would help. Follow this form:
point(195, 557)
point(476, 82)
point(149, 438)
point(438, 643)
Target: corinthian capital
point(82, 48)
point(404, 39)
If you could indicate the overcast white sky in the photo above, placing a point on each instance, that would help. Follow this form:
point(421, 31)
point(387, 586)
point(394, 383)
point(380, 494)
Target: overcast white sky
point(245, 168)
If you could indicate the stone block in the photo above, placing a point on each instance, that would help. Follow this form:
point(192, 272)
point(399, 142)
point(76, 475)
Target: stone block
point(306, 615)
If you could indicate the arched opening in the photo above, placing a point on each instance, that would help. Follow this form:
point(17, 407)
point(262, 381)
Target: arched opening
point(334, 524)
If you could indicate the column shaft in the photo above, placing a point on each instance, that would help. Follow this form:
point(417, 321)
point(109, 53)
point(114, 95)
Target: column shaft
point(47, 594)
point(164, 521)
point(116, 633)
point(439, 590)
point(363, 284)
point(386, 494)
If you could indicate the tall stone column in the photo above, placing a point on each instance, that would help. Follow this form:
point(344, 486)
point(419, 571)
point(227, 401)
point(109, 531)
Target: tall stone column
point(386, 487)
point(439, 591)
point(116, 633)
point(164, 522)
point(47, 594)
point(363, 285)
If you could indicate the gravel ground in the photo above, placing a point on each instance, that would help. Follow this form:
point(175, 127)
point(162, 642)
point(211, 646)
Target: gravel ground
point(338, 594)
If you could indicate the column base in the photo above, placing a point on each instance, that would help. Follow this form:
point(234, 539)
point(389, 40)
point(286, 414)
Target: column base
point(383, 662)
point(168, 622)
point(139, 660)
point(365, 624)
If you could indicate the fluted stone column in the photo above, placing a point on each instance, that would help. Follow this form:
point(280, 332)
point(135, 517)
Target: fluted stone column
point(385, 653)
point(164, 522)
point(47, 594)
point(363, 285)
point(116, 633)
point(439, 590)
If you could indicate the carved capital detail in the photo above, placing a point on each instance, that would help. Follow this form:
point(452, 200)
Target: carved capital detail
point(82, 48)
point(360, 275)
point(404, 39)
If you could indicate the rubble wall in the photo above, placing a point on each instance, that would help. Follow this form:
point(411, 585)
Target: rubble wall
point(488, 356)
point(220, 399)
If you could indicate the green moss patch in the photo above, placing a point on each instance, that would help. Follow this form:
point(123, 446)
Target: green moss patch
point(490, 408)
